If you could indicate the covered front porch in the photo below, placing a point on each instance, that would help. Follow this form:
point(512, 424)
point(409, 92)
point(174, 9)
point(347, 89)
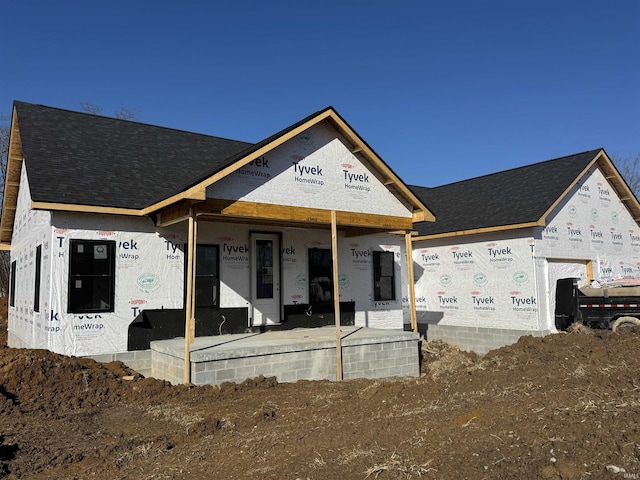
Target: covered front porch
point(289, 355)
point(306, 223)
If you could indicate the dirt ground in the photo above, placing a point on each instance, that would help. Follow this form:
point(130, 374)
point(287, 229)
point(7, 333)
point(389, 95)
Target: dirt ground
point(561, 407)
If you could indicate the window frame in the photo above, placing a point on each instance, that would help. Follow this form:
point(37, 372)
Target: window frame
point(216, 301)
point(378, 255)
point(12, 284)
point(37, 279)
point(73, 277)
point(326, 278)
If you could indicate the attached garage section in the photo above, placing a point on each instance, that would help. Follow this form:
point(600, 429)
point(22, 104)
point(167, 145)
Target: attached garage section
point(500, 242)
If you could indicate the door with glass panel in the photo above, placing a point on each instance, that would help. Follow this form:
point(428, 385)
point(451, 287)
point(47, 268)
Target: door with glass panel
point(265, 278)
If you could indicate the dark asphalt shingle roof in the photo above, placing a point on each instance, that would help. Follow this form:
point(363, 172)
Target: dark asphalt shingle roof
point(511, 197)
point(83, 159)
point(79, 158)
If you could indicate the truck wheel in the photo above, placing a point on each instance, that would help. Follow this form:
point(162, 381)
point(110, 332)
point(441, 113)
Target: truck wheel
point(625, 322)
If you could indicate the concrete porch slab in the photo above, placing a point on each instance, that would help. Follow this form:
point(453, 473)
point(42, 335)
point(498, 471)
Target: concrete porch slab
point(290, 355)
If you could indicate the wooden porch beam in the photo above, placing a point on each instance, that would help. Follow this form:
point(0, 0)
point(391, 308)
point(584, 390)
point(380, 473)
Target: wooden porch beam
point(178, 212)
point(422, 216)
point(266, 211)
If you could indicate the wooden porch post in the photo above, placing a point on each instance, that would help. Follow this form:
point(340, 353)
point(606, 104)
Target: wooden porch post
point(192, 320)
point(410, 282)
point(336, 293)
point(189, 325)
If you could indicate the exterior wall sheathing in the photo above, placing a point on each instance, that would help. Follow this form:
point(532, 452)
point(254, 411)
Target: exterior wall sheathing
point(28, 324)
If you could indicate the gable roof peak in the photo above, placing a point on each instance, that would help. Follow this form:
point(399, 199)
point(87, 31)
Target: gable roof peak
point(506, 200)
point(588, 153)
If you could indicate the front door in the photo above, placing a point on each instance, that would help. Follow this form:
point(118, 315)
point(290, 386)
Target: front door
point(265, 278)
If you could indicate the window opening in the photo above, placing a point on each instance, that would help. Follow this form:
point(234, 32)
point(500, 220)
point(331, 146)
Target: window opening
point(36, 287)
point(12, 285)
point(207, 276)
point(320, 275)
point(91, 276)
point(384, 276)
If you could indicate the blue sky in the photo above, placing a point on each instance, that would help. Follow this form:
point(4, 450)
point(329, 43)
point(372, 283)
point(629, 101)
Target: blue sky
point(442, 90)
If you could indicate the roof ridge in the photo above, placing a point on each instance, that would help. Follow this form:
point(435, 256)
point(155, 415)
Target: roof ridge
point(105, 117)
point(520, 196)
point(512, 169)
point(120, 164)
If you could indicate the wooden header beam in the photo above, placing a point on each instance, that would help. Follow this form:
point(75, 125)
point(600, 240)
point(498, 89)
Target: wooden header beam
point(264, 211)
point(501, 228)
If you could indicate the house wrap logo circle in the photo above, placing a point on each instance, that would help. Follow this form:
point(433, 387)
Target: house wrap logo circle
point(520, 278)
point(594, 213)
point(305, 141)
point(573, 211)
point(480, 279)
point(614, 217)
point(446, 280)
point(301, 281)
point(148, 282)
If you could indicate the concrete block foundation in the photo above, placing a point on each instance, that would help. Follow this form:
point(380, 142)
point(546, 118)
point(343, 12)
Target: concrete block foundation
point(139, 360)
point(476, 339)
point(291, 355)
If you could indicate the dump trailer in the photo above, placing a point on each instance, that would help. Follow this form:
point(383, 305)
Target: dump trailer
point(610, 306)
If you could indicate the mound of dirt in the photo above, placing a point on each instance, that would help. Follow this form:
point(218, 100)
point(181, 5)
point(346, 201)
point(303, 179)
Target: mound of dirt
point(558, 407)
point(440, 358)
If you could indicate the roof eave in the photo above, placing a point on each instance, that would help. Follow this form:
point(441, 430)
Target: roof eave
point(475, 231)
point(15, 158)
point(617, 181)
point(421, 212)
point(613, 176)
point(69, 207)
point(543, 218)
